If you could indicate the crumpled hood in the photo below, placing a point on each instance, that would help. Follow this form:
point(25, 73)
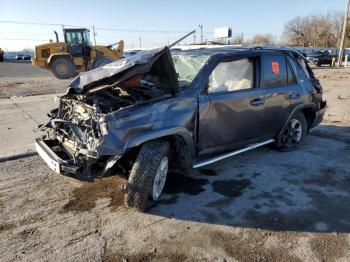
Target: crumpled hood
point(125, 68)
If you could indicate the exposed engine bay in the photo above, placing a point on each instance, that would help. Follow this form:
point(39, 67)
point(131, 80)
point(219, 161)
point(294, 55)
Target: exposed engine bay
point(79, 118)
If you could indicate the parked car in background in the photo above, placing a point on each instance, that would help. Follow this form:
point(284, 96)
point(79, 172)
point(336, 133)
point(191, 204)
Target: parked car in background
point(320, 58)
point(155, 112)
point(26, 57)
point(19, 57)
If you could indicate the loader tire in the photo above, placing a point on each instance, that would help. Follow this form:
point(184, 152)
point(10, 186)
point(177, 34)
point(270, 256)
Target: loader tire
point(63, 68)
point(101, 61)
point(144, 175)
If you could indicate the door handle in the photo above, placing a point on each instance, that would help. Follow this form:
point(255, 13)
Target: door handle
point(293, 96)
point(257, 102)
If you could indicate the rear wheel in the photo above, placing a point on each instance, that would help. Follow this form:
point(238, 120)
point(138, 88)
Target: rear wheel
point(294, 133)
point(148, 175)
point(101, 61)
point(63, 68)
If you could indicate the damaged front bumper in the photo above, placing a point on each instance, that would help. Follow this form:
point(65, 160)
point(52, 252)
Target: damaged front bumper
point(59, 164)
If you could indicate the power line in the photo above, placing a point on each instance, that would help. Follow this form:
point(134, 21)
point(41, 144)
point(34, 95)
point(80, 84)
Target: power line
point(33, 23)
point(321, 5)
point(23, 39)
point(97, 28)
point(139, 31)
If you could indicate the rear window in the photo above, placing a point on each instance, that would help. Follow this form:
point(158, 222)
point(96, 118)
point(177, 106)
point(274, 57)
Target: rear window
point(274, 71)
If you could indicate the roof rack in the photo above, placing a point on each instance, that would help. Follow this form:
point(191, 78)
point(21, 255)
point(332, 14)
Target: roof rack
point(271, 47)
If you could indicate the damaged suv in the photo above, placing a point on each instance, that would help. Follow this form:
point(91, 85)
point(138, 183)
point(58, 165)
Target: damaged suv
point(160, 111)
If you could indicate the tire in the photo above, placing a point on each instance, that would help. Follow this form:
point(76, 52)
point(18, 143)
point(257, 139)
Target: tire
point(293, 134)
point(141, 184)
point(62, 68)
point(101, 61)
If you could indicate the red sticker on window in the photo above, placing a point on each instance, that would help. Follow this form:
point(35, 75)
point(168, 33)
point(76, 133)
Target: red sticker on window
point(276, 68)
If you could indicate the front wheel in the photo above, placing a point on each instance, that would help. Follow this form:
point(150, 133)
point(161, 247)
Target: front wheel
point(63, 68)
point(101, 61)
point(148, 175)
point(293, 134)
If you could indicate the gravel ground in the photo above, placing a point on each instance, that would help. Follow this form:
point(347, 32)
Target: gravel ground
point(260, 206)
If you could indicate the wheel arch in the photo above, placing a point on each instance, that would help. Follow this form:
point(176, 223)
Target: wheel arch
point(53, 57)
point(308, 109)
point(179, 139)
point(310, 116)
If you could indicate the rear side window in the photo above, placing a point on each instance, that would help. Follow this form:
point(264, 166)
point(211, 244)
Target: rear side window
point(299, 71)
point(274, 71)
point(291, 76)
point(232, 76)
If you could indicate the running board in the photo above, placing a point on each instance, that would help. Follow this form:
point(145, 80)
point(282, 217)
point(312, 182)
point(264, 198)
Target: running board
point(233, 153)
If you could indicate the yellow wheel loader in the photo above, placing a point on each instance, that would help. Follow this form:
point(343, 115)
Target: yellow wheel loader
point(76, 54)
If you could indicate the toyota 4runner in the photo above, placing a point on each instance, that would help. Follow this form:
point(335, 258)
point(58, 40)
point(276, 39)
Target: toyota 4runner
point(158, 111)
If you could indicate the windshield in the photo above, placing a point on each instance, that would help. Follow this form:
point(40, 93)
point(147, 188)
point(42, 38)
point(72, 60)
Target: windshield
point(188, 66)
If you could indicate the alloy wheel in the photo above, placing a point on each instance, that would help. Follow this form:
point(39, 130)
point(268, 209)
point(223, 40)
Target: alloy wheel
point(159, 179)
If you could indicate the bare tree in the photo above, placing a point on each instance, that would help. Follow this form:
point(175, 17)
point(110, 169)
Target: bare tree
point(262, 39)
point(315, 30)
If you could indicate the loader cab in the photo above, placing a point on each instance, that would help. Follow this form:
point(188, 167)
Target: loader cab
point(78, 42)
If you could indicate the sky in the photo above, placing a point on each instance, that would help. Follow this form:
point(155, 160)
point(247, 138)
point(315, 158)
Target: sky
point(153, 22)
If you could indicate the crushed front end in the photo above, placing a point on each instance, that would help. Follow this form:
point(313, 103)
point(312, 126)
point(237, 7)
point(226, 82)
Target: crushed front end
point(78, 140)
point(72, 137)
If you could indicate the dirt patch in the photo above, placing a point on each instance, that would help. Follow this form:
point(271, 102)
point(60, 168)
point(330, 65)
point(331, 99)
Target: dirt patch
point(176, 183)
point(23, 222)
point(7, 227)
point(231, 188)
point(329, 247)
point(328, 210)
point(84, 198)
point(251, 247)
point(144, 257)
point(326, 178)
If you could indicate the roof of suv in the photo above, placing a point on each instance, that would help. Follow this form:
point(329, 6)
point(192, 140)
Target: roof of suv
point(230, 50)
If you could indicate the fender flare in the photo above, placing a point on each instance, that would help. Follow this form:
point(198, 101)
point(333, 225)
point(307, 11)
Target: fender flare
point(161, 133)
point(54, 56)
point(300, 107)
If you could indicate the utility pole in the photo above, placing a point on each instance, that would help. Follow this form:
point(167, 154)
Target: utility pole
point(94, 33)
point(201, 28)
point(140, 41)
point(343, 36)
